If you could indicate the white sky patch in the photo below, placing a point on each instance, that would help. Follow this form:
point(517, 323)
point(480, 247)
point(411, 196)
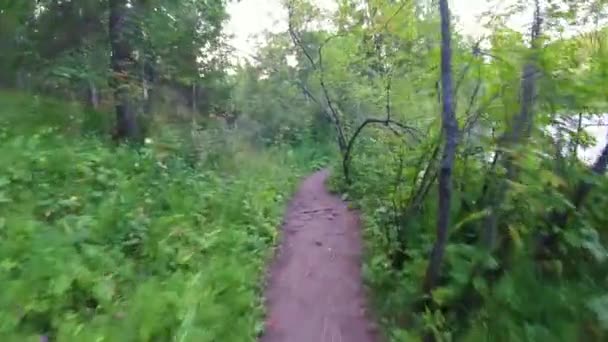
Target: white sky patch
point(249, 19)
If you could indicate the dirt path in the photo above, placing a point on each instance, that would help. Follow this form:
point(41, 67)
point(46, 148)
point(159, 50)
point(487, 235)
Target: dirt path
point(315, 292)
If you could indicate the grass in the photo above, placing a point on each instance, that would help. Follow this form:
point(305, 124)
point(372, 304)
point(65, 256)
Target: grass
point(102, 243)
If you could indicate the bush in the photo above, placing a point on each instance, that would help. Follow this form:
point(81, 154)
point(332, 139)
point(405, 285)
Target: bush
point(517, 296)
point(100, 242)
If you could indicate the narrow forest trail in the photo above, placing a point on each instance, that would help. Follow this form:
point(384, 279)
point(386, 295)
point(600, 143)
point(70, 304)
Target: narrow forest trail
point(315, 292)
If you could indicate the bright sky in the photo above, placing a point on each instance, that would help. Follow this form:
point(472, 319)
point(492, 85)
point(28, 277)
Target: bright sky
point(253, 17)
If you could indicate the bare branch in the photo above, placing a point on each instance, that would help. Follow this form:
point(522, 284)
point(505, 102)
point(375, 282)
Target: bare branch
point(330, 110)
point(296, 38)
point(403, 4)
point(475, 53)
point(412, 131)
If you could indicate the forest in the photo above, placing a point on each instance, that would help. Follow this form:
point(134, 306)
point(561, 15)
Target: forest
point(146, 165)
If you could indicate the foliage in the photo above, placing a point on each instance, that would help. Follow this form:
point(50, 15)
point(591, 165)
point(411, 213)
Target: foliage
point(149, 242)
point(545, 276)
point(61, 48)
point(112, 243)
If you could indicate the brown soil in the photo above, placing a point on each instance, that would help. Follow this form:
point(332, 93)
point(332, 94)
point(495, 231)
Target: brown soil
point(315, 292)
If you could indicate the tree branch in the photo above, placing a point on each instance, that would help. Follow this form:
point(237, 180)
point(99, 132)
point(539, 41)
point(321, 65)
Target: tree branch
point(387, 122)
point(330, 110)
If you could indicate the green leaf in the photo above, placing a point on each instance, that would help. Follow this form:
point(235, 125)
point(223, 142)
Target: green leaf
point(61, 284)
point(4, 181)
point(471, 218)
point(443, 295)
point(4, 198)
point(104, 290)
point(599, 306)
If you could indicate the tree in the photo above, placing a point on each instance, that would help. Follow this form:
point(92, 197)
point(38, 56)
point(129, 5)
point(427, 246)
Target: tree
point(450, 131)
point(123, 64)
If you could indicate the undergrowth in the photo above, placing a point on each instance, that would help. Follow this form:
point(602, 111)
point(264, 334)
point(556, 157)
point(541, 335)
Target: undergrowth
point(562, 298)
point(106, 243)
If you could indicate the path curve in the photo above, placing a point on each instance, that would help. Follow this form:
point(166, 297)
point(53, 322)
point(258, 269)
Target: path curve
point(315, 292)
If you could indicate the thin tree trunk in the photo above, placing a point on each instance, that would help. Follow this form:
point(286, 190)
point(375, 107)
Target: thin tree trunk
point(122, 65)
point(148, 81)
point(328, 107)
point(450, 129)
point(577, 139)
point(194, 104)
point(521, 130)
point(20, 79)
point(93, 94)
point(149, 77)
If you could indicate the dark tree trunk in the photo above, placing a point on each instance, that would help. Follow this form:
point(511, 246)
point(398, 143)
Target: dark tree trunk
point(520, 132)
point(450, 129)
point(122, 68)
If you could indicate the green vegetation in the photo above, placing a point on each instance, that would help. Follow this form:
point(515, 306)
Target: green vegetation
point(526, 249)
point(101, 241)
point(154, 224)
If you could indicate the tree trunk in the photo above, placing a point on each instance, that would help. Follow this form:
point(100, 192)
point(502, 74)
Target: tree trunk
point(194, 104)
point(148, 77)
point(520, 131)
point(122, 65)
point(450, 129)
point(575, 143)
point(93, 95)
